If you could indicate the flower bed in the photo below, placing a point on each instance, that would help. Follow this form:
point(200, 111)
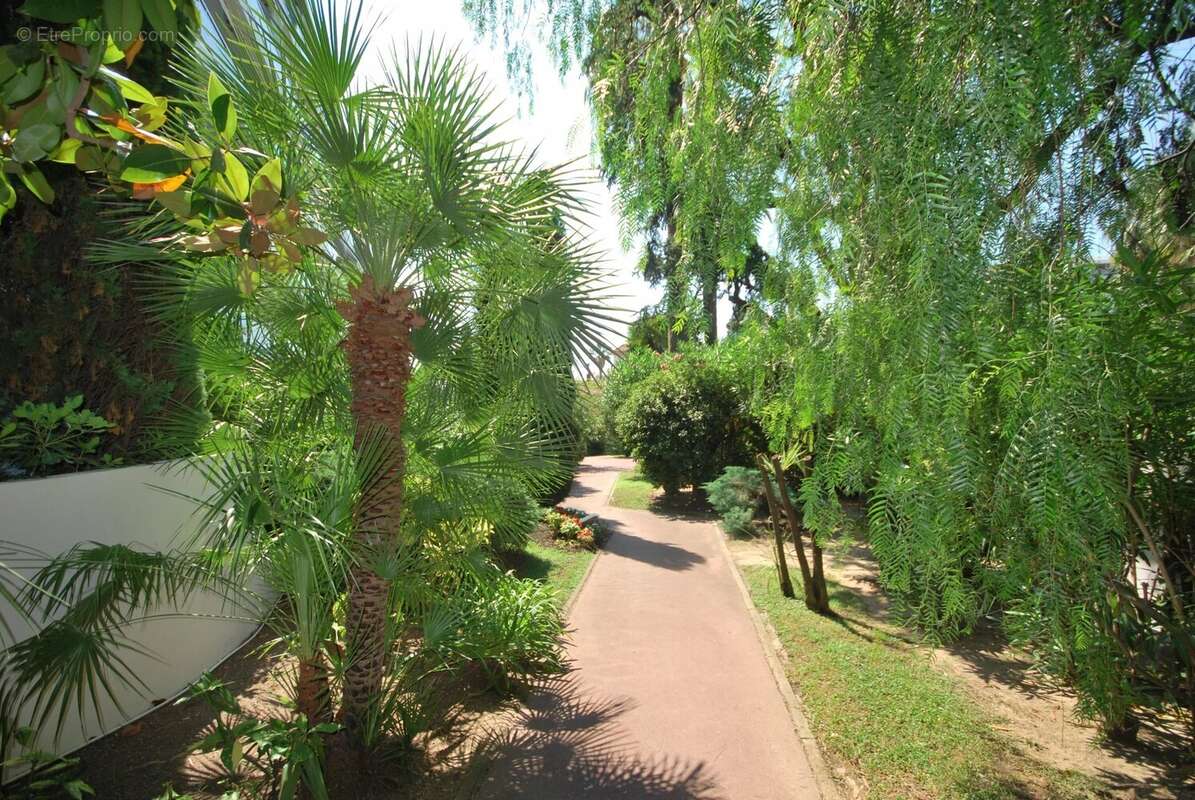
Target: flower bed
point(573, 528)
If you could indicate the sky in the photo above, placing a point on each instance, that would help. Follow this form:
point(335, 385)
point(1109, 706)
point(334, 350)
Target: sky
point(557, 125)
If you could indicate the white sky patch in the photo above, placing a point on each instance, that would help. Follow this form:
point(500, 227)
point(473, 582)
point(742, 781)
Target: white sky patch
point(557, 126)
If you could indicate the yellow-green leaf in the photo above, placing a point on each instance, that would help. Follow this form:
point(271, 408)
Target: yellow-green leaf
point(220, 103)
point(234, 181)
point(122, 19)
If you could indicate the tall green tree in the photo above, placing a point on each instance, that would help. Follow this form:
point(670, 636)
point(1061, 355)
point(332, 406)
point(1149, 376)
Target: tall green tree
point(684, 98)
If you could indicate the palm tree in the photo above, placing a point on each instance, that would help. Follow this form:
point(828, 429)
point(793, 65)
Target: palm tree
point(442, 311)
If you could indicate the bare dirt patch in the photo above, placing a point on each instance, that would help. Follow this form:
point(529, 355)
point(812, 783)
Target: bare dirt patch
point(137, 761)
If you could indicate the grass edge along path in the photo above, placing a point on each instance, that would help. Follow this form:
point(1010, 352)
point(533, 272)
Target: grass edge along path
point(632, 490)
point(877, 706)
point(561, 568)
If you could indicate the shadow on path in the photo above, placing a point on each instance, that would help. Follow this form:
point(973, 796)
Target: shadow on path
point(665, 555)
point(564, 745)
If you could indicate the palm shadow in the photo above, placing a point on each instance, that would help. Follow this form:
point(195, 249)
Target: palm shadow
point(565, 746)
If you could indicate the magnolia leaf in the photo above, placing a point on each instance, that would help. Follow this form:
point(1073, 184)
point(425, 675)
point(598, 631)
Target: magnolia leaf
point(89, 158)
point(160, 14)
point(129, 88)
point(176, 201)
point(26, 83)
point(122, 19)
point(60, 11)
point(147, 191)
point(36, 182)
point(220, 103)
point(249, 276)
point(205, 243)
point(292, 251)
point(269, 179)
point(151, 163)
point(262, 202)
point(35, 142)
point(8, 196)
point(308, 237)
point(66, 151)
point(152, 115)
point(273, 262)
point(234, 181)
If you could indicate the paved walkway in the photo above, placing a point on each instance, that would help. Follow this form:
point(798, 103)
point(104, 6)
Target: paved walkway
point(670, 695)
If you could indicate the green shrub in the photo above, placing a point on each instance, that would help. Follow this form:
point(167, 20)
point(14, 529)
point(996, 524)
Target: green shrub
point(737, 521)
point(736, 495)
point(685, 424)
point(627, 373)
point(510, 627)
point(44, 439)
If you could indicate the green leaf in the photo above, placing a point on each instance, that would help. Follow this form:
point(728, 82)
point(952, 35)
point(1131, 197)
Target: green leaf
point(234, 181)
point(36, 182)
point(160, 14)
point(268, 178)
point(122, 19)
point(8, 199)
point(35, 142)
point(308, 237)
point(60, 11)
point(26, 83)
point(220, 102)
point(89, 158)
point(128, 87)
point(150, 163)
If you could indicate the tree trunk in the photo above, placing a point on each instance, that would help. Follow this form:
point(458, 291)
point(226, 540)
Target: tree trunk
point(378, 349)
point(786, 584)
point(709, 303)
point(817, 597)
point(312, 694)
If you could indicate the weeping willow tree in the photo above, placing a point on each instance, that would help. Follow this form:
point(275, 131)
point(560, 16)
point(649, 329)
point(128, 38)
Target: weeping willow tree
point(1017, 404)
point(685, 105)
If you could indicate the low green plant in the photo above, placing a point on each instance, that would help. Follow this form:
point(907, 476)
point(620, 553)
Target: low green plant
point(47, 776)
point(510, 628)
point(46, 438)
point(287, 754)
point(736, 495)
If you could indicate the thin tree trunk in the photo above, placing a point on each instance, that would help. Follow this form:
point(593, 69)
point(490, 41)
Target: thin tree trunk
point(817, 597)
point(378, 349)
point(786, 583)
point(709, 302)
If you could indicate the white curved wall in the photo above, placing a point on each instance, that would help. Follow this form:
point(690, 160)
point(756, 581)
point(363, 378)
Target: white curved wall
point(133, 506)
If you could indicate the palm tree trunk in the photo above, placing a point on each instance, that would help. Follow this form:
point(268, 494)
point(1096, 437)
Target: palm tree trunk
point(378, 349)
point(312, 694)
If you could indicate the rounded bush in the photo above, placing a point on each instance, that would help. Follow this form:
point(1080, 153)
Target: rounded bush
point(684, 424)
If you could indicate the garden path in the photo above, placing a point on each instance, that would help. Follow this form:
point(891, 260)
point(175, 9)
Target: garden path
point(670, 694)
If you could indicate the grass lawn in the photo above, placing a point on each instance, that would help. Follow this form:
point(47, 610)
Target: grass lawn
point(875, 703)
point(632, 490)
point(561, 568)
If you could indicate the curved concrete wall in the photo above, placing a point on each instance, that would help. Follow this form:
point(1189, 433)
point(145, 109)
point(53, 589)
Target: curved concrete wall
point(134, 506)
